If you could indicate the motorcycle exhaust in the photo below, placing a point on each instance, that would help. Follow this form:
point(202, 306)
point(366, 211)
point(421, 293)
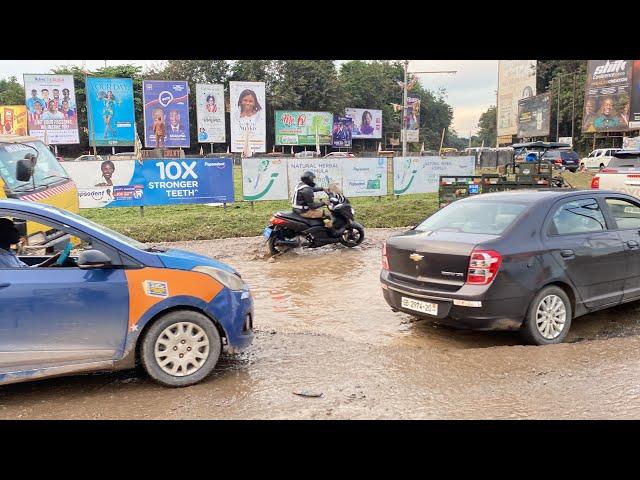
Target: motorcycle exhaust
point(293, 243)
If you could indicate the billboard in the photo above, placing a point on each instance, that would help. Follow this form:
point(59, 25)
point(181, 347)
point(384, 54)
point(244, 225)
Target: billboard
point(534, 116)
point(364, 177)
point(367, 123)
point(110, 111)
point(634, 121)
point(422, 174)
point(52, 111)
point(342, 131)
point(166, 113)
point(248, 120)
point(607, 96)
point(411, 120)
point(130, 183)
point(327, 171)
point(264, 179)
point(516, 80)
point(210, 113)
point(302, 128)
point(13, 120)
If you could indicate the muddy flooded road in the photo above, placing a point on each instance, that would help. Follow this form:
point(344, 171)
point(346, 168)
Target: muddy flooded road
point(323, 327)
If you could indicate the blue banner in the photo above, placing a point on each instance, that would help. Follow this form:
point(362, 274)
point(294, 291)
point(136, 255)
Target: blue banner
point(110, 111)
point(166, 113)
point(156, 181)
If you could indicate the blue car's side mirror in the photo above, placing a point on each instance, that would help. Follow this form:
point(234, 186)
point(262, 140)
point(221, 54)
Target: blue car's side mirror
point(91, 259)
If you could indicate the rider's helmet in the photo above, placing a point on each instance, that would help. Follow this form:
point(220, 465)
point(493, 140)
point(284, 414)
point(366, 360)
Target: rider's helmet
point(309, 178)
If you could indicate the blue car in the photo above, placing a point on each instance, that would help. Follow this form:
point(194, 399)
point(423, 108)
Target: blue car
point(108, 302)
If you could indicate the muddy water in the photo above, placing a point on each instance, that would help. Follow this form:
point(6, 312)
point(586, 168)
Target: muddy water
point(322, 326)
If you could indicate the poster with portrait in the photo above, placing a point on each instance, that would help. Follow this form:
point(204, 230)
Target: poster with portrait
point(516, 80)
point(110, 112)
point(634, 121)
point(342, 131)
point(303, 128)
point(210, 113)
point(166, 113)
point(13, 120)
point(607, 96)
point(367, 123)
point(411, 120)
point(248, 116)
point(534, 116)
point(52, 115)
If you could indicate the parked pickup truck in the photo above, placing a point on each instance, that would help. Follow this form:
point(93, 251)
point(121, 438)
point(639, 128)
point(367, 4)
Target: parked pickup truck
point(622, 174)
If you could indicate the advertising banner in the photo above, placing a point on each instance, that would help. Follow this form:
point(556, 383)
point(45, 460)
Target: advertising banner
point(364, 177)
point(166, 113)
point(301, 128)
point(110, 111)
point(264, 179)
point(567, 140)
point(634, 121)
point(210, 113)
point(248, 120)
point(327, 171)
point(129, 183)
point(52, 111)
point(342, 131)
point(534, 116)
point(422, 174)
point(516, 80)
point(367, 123)
point(13, 119)
point(607, 96)
point(631, 143)
point(411, 120)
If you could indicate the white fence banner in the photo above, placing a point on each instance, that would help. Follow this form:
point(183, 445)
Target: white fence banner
point(364, 177)
point(264, 179)
point(422, 174)
point(96, 180)
point(327, 170)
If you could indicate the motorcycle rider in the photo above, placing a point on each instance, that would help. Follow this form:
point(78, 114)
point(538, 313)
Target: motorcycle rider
point(303, 200)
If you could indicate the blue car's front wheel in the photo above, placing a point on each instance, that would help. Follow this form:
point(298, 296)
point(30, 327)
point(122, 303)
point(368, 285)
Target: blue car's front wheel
point(180, 348)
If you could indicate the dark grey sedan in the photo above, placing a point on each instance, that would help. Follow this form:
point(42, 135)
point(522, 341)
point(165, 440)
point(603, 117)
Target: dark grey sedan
point(521, 260)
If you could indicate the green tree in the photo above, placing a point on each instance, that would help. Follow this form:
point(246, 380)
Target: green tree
point(11, 92)
point(487, 127)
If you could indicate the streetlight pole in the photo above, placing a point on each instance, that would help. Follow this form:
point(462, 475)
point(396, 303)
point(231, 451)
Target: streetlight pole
point(573, 103)
point(558, 114)
point(404, 101)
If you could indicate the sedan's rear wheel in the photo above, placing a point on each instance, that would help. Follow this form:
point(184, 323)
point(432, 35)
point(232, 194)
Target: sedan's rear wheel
point(549, 317)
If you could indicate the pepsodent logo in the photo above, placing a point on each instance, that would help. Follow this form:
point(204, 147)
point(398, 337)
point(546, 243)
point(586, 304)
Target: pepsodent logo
point(611, 67)
point(219, 165)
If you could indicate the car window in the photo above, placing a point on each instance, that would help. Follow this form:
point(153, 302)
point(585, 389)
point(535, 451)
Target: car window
point(577, 216)
point(627, 162)
point(625, 213)
point(485, 217)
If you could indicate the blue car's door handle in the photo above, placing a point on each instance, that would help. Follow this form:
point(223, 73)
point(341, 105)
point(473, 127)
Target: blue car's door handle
point(4, 284)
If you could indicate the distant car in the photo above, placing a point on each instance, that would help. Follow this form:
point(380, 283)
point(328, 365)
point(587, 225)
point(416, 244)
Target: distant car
point(562, 158)
point(339, 155)
point(307, 154)
point(599, 158)
point(88, 158)
point(521, 260)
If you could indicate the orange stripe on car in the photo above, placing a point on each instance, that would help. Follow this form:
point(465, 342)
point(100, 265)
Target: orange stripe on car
point(149, 286)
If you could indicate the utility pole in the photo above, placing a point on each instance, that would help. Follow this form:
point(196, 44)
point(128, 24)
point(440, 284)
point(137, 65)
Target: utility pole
point(558, 114)
point(404, 101)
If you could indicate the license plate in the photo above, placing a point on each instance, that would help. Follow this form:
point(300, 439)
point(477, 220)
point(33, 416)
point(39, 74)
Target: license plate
point(420, 306)
point(267, 232)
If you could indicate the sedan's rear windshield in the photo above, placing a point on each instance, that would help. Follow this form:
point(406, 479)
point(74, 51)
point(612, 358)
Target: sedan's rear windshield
point(484, 217)
point(627, 161)
point(569, 155)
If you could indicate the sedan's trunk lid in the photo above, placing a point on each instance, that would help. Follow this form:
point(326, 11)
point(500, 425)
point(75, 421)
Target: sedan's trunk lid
point(438, 260)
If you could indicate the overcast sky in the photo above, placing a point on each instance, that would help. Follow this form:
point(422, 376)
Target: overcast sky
point(470, 91)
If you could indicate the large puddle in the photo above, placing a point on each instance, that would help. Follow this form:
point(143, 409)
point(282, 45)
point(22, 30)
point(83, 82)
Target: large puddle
point(323, 327)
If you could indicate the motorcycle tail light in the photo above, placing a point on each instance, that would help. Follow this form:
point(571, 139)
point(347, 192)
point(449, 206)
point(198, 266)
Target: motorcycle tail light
point(277, 221)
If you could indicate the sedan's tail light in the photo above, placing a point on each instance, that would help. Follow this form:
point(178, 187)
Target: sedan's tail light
point(483, 266)
point(595, 182)
point(385, 260)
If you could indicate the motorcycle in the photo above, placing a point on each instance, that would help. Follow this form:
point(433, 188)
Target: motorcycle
point(291, 230)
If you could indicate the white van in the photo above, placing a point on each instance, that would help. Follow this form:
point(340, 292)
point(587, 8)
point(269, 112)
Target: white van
point(599, 158)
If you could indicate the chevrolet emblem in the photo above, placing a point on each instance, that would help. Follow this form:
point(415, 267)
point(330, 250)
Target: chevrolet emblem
point(416, 257)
